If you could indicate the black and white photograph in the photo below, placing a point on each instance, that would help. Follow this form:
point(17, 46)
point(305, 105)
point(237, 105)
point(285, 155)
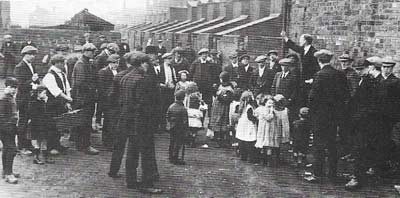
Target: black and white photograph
point(199, 98)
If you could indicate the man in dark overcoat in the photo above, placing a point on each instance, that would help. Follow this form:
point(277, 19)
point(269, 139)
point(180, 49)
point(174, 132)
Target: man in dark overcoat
point(120, 136)
point(205, 75)
point(262, 78)
point(273, 60)
point(326, 101)
point(138, 101)
point(245, 72)
point(104, 85)
point(8, 52)
point(345, 129)
point(233, 67)
point(286, 83)
point(363, 109)
point(27, 77)
point(84, 94)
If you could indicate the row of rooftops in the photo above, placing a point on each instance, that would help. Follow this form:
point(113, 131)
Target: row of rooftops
point(218, 26)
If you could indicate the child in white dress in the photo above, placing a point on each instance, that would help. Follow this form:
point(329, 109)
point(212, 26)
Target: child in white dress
point(246, 131)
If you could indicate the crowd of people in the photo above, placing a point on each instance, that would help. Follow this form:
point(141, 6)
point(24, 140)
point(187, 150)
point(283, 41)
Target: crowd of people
point(257, 109)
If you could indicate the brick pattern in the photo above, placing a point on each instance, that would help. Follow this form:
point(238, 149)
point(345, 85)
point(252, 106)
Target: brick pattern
point(370, 26)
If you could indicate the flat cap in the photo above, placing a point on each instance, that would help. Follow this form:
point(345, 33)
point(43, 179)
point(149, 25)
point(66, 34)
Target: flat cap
point(160, 40)
point(279, 97)
point(7, 36)
point(180, 95)
point(113, 58)
point(177, 50)
point(62, 48)
point(244, 56)
point(323, 53)
point(304, 111)
point(29, 50)
point(102, 36)
point(138, 57)
point(113, 46)
point(89, 47)
point(11, 81)
point(374, 60)
point(57, 58)
point(345, 58)
point(260, 59)
point(204, 50)
point(167, 55)
point(286, 62)
point(388, 61)
point(233, 55)
point(183, 71)
point(272, 52)
point(103, 46)
point(86, 34)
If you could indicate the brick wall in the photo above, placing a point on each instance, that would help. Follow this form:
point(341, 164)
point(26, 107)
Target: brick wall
point(179, 14)
point(358, 25)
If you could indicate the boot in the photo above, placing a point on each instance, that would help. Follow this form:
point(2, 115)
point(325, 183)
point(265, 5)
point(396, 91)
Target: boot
point(47, 157)
point(36, 160)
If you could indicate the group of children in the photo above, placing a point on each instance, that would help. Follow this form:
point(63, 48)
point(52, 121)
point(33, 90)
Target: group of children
point(258, 127)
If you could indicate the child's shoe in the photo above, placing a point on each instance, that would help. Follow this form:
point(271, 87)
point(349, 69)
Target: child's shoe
point(11, 179)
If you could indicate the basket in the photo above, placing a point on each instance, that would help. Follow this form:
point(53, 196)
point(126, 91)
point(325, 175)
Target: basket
point(69, 120)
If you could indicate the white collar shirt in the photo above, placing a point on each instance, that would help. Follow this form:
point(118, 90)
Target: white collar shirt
point(246, 68)
point(261, 71)
point(29, 66)
point(50, 82)
point(284, 74)
point(306, 48)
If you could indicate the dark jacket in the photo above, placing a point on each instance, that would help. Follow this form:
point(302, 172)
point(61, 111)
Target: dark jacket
point(262, 84)
point(123, 48)
point(177, 118)
point(364, 104)
point(288, 86)
point(104, 84)
point(204, 74)
point(24, 76)
point(8, 113)
point(327, 96)
point(353, 79)
point(41, 118)
point(276, 66)
point(232, 71)
point(9, 50)
point(183, 64)
point(244, 77)
point(389, 97)
point(83, 83)
point(309, 63)
point(161, 50)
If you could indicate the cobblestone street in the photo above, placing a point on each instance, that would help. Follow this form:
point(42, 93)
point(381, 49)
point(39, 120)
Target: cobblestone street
point(209, 172)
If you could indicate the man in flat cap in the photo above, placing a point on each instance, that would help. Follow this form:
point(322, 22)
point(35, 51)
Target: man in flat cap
point(345, 128)
point(59, 98)
point(27, 77)
point(262, 77)
point(233, 67)
point(245, 71)
point(100, 40)
point(273, 60)
point(137, 102)
point(286, 83)
point(205, 75)
point(8, 53)
point(104, 85)
point(168, 81)
point(84, 95)
point(326, 102)
point(120, 136)
point(179, 62)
